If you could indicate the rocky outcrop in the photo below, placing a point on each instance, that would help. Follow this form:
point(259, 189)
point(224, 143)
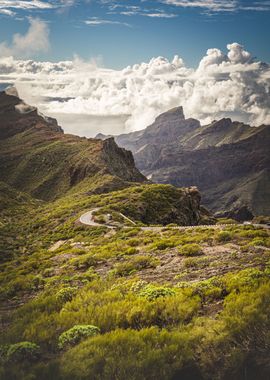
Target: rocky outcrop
point(18, 117)
point(228, 161)
point(162, 204)
point(120, 161)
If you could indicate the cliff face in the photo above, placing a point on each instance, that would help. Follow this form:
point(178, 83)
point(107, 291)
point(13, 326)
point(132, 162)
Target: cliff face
point(120, 161)
point(38, 158)
point(228, 161)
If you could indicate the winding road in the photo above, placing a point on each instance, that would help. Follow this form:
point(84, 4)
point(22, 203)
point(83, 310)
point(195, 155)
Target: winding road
point(88, 219)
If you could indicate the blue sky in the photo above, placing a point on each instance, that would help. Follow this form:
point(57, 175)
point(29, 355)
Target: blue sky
point(125, 32)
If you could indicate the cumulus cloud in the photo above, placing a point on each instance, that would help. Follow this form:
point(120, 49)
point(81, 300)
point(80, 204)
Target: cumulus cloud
point(35, 40)
point(230, 84)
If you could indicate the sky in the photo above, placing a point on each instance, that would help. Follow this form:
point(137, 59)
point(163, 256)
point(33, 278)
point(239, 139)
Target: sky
point(113, 66)
point(124, 32)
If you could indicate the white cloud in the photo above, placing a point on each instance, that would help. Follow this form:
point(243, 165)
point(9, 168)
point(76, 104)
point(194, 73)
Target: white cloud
point(7, 12)
point(35, 40)
point(8, 6)
point(132, 10)
point(11, 7)
point(95, 21)
point(228, 84)
point(160, 15)
point(213, 6)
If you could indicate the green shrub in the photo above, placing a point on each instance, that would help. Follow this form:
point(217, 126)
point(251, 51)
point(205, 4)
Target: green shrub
point(133, 242)
point(76, 334)
point(210, 289)
point(131, 251)
point(66, 294)
point(226, 221)
point(48, 272)
point(84, 262)
point(164, 244)
point(152, 292)
point(135, 264)
point(23, 351)
point(249, 278)
point(147, 354)
point(191, 262)
point(251, 233)
point(190, 250)
point(245, 248)
point(100, 219)
point(224, 236)
point(257, 242)
point(138, 286)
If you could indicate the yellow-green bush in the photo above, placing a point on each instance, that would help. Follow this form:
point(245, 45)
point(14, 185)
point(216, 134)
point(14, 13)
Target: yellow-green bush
point(76, 334)
point(23, 351)
point(148, 354)
point(134, 264)
point(224, 236)
point(190, 250)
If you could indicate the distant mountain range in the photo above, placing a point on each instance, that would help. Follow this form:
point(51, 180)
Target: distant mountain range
point(228, 161)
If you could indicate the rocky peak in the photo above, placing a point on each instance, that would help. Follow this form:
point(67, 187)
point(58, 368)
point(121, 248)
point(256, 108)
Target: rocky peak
point(167, 128)
point(222, 123)
point(175, 114)
point(120, 161)
point(101, 136)
point(17, 116)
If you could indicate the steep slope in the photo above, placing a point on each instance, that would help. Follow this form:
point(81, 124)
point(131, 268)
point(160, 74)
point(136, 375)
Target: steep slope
point(228, 161)
point(38, 158)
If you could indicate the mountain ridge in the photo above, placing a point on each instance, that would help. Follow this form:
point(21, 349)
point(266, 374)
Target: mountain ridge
point(36, 154)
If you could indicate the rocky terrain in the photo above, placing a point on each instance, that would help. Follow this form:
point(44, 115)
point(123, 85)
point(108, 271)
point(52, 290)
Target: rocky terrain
point(228, 161)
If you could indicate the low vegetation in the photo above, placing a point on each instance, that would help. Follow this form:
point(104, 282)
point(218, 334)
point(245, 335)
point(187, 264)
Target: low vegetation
point(84, 302)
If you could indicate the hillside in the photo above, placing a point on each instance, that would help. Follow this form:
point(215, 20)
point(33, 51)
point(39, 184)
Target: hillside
point(228, 161)
point(86, 302)
point(38, 158)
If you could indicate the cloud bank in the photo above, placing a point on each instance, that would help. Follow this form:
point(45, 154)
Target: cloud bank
point(231, 84)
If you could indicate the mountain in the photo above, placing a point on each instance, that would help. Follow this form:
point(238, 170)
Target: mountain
point(228, 161)
point(38, 158)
